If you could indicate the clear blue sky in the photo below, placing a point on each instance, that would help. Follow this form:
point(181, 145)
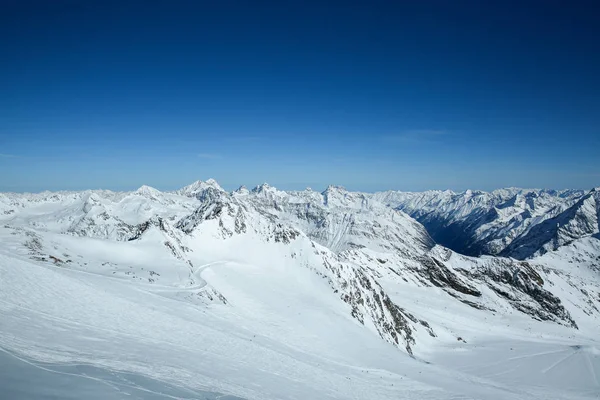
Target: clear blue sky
point(407, 95)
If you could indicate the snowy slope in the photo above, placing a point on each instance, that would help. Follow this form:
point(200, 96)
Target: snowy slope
point(266, 294)
point(578, 221)
point(476, 222)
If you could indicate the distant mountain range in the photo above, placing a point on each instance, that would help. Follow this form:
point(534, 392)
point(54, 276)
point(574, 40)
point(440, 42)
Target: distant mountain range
point(518, 223)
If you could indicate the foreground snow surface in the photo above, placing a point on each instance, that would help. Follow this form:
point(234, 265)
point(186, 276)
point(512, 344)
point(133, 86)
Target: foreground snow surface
point(25, 378)
point(280, 341)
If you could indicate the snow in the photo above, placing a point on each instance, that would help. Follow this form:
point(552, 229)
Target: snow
point(268, 294)
point(571, 370)
point(82, 381)
point(271, 344)
point(55, 315)
point(197, 187)
point(498, 222)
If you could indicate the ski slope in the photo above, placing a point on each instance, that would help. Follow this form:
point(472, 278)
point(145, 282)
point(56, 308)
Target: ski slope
point(278, 341)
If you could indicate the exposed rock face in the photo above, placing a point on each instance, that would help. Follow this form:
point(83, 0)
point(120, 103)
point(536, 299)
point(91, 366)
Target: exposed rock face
point(523, 287)
point(439, 275)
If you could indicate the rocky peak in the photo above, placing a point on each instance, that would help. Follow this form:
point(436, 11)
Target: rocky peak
point(268, 192)
point(263, 187)
point(338, 196)
point(242, 190)
point(196, 188)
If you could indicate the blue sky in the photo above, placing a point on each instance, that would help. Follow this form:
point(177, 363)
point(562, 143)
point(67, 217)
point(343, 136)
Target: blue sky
point(369, 95)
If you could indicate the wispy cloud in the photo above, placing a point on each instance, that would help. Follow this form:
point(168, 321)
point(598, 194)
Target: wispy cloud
point(209, 156)
point(3, 155)
point(417, 136)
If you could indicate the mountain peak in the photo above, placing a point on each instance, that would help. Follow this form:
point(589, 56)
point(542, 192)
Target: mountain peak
point(146, 190)
point(199, 186)
point(241, 190)
point(335, 188)
point(213, 183)
point(263, 188)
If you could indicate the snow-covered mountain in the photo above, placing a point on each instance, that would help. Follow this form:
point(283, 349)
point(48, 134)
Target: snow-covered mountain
point(581, 220)
point(303, 294)
point(518, 223)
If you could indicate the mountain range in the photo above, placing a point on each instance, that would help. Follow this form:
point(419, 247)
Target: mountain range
point(265, 293)
point(512, 222)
